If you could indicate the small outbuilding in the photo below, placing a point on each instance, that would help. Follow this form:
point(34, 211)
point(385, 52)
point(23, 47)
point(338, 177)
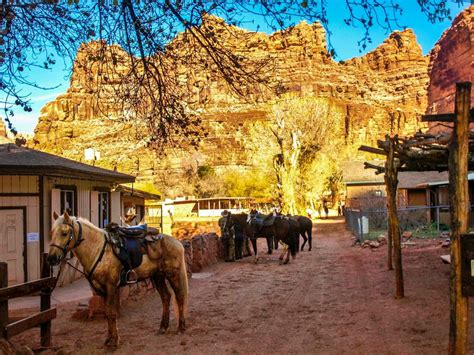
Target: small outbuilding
point(33, 184)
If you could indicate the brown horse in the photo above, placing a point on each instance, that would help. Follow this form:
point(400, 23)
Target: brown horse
point(241, 218)
point(164, 261)
point(281, 230)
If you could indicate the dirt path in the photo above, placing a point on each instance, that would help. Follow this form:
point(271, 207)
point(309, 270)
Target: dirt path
point(335, 299)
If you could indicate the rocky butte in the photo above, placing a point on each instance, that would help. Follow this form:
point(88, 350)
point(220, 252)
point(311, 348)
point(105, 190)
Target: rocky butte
point(393, 78)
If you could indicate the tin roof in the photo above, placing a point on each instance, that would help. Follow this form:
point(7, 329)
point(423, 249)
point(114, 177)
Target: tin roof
point(15, 160)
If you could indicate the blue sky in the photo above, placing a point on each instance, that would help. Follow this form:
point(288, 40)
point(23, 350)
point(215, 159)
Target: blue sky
point(344, 40)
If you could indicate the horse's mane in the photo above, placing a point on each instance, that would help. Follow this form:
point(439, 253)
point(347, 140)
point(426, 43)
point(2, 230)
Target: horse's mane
point(84, 221)
point(89, 224)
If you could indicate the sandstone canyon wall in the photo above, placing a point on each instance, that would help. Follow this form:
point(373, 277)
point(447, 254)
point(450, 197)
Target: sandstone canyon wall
point(451, 61)
point(393, 78)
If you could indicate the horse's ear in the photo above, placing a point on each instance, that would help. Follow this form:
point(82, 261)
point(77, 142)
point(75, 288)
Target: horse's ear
point(66, 216)
point(55, 216)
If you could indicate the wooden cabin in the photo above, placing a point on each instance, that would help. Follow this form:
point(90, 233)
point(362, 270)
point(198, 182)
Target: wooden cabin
point(33, 184)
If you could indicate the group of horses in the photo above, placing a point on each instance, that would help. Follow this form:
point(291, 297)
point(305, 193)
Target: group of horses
point(163, 259)
point(275, 228)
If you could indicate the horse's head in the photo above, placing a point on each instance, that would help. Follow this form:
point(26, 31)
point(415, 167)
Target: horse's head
point(252, 216)
point(65, 236)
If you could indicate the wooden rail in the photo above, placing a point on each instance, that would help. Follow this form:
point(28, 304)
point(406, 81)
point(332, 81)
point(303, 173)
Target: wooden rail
point(43, 318)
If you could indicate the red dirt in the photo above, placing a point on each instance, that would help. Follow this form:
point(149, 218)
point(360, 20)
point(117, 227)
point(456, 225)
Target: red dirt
point(334, 299)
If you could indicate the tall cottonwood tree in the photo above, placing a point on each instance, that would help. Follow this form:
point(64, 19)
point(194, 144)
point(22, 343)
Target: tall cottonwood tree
point(303, 143)
point(40, 33)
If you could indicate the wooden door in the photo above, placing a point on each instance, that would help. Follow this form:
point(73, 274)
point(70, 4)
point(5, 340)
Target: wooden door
point(12, 244)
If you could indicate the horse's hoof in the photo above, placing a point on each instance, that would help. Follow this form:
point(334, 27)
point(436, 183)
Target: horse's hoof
point(255, 261)
point(111, 344)
point(162, 331)
point(111, 348)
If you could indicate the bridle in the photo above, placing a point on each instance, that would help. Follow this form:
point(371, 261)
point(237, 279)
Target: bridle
point(77, 240)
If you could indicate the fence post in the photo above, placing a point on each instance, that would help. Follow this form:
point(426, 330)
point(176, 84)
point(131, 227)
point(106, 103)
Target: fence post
point(437, 219)
point(3, 302)
point(45, 303)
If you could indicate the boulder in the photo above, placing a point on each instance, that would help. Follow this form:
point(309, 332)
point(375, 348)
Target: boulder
point(407, 234)
point(374, 244)
point(382, 239)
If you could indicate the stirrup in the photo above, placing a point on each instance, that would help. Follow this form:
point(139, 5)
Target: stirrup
point(133, 281)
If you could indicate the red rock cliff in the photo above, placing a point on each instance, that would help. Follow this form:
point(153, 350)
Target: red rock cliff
point(391, 78)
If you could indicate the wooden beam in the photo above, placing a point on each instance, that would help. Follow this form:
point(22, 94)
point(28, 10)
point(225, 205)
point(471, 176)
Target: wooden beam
point(446, 117)
point(27, 288)
point(364, 148)
point(380, 169)
point(45, 303)
point(29, 322)
point(3, 300)
point(459, 210)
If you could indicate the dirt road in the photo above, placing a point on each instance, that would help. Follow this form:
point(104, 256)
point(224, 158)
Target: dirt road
point(335, 299)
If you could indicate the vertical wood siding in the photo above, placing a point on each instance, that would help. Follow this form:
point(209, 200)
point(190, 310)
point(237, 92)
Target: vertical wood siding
point(32, 226)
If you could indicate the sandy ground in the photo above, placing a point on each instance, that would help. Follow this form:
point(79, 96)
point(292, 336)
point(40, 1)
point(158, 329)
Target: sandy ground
point(335, 299)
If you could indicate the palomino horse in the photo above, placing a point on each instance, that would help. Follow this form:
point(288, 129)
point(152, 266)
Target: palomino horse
point(280, 230)
point(91, 245)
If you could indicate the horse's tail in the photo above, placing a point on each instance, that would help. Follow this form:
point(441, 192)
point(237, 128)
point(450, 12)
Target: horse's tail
point(293, 245)
point(183, 287)
point(183, 280)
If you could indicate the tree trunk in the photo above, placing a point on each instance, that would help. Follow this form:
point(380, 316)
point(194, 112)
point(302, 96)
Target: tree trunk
point(389, 248)
point(391, 183)
point(459, 208)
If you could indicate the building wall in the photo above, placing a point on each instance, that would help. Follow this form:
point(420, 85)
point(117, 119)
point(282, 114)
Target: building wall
point(417, 197)
point(29, 188)
point(365, 196)
point(83, 198)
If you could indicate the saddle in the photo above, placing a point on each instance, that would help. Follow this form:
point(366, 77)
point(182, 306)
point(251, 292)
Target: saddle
point(263, 220)
point(129, 244)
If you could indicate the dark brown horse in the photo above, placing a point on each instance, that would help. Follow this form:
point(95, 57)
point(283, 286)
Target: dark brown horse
point(280, 230)
point(304, 227)
point(241, 219)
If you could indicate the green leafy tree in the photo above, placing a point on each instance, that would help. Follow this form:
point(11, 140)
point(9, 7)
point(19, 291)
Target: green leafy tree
point(303, 144)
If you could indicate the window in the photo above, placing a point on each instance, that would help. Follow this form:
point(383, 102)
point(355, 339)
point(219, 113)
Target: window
point(67, 202)
point(378, 193)
point(103, 209)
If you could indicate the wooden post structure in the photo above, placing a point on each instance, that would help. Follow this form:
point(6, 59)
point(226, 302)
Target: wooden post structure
point(3, 302)
point(391, 183)
point(459, 209)
point(389, 246)
point(45, 300)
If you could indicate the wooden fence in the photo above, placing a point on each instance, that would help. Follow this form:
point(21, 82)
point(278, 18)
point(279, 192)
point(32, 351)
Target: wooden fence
point(43, 318)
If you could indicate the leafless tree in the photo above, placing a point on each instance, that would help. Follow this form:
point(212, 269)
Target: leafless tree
point(132, 64)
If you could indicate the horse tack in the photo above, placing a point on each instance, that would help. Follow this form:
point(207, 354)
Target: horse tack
point(165, 265)
point(129, 245)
